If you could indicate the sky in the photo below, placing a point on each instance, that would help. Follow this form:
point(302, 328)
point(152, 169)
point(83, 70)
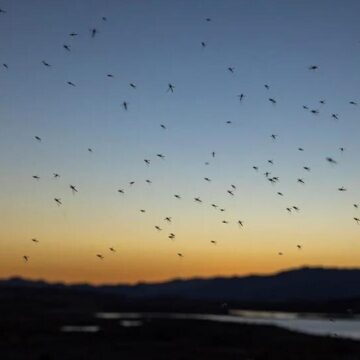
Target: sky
point(151, 44)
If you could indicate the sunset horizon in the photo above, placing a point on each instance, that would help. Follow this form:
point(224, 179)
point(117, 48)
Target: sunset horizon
point(121, 152)
point(179, 180)
point(189, 278)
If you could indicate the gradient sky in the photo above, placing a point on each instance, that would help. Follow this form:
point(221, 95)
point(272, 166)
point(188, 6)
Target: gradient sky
point(152, 43)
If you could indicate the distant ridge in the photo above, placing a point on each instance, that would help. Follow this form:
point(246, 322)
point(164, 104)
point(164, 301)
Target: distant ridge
point(303, 284)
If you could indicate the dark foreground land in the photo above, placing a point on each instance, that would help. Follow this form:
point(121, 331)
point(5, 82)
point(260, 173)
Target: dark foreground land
point(30, 322)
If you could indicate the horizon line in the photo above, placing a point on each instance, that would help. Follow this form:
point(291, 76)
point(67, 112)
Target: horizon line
point(169, 280)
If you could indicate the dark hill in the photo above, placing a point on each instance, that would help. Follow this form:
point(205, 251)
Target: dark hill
point(305, 284)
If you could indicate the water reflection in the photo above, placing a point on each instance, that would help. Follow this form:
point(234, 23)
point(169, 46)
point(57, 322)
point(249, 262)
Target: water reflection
point(130, 323)
point(313, 324)
point(83, 329)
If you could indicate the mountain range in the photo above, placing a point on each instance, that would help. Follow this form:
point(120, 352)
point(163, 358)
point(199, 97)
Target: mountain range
point(302, 284)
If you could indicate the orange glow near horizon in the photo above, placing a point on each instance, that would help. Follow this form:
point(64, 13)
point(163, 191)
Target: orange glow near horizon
point(142, 259)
